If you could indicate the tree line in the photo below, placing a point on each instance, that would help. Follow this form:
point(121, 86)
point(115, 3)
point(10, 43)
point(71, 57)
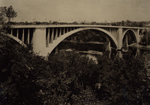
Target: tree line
point(122, 23)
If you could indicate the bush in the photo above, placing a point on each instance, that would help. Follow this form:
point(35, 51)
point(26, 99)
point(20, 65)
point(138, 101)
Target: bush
point(124, 81)
point(66, 77)
point(18, 74)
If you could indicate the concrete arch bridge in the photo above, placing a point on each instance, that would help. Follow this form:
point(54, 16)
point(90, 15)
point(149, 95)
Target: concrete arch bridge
point(45, 38)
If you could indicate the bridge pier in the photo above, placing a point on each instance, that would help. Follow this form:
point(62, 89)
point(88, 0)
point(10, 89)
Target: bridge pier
point(64, 30)
point(22, 35)
point(60, 32)
point(48, 37)
point(56, 36)
point(108, 49)
point(52, 36)
point(39, 41)
point(17, 33)
point(67, 29)
point(137, 35)
point(126, 42)
point(120, 33)
point(11, 32)
point(28, 37)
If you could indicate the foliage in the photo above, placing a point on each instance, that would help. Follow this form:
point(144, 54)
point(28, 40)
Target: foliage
point(85, 97)
point(4, 29)
point(148, 37)
point(2, 14)
point(7, 13)
point(125, 81)
point(15, 83)
point(66, 77)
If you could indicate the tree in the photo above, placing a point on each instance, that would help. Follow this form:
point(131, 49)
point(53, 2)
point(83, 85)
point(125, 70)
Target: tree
point(8, 13)
point(75, 22)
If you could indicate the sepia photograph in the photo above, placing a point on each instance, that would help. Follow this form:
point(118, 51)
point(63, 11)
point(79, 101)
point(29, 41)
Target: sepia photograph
point(74, 52)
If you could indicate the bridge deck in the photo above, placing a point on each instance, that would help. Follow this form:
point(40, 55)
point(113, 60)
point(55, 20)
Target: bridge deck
point(48, 26)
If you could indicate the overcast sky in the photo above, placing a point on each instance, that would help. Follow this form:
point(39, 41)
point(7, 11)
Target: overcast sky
point(80, 10)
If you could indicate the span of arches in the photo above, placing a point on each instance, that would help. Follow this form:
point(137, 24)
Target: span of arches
point(45, 39)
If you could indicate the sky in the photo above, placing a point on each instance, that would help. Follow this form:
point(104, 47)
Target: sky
point(79, 10)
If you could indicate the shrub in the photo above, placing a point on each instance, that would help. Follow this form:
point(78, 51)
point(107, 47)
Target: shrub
point(66, 77)
point(124, 81)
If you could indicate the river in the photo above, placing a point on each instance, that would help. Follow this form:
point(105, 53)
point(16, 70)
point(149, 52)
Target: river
point(92, 48)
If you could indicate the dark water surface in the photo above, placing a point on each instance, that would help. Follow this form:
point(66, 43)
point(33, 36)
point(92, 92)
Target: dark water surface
point(98, 49)
point(80, 46)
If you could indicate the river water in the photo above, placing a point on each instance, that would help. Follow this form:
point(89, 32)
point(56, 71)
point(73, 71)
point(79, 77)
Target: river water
point(91, 49)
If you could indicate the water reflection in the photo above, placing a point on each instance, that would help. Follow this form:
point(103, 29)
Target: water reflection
point(119, 54)
point(81, 46)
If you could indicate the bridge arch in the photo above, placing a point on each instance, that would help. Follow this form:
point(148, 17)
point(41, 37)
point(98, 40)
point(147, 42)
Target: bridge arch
point(133, 33)
point(61, 38)
point(16, 39)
